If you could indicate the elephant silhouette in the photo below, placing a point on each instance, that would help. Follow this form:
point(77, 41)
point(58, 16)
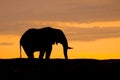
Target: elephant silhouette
point(42, 40)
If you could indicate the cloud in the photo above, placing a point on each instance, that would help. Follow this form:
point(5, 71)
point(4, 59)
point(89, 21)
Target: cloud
point(62, 10)
point(18, 27)
point(91, 34)
point(73, 33)
point(5, 43)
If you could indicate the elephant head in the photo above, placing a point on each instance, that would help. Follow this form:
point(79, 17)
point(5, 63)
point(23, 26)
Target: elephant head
point(42, 40)
point(60, 38)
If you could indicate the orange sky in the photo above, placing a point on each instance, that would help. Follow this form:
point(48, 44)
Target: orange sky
point(92, 27)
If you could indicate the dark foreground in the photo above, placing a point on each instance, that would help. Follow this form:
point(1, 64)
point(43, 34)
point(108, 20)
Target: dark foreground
point(36, 69)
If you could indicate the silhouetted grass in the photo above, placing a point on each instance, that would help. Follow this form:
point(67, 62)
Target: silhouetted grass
point(59, 68)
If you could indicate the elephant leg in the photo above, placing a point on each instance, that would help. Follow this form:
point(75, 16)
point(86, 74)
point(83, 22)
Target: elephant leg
point(29, 52)
point(48, 52)
point(41, 54)
point(30, 55)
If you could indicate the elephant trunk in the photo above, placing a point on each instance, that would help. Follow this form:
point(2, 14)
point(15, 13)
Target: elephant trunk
point(65, 48)
point(65, 52)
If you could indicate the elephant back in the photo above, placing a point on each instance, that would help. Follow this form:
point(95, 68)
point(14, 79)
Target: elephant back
point(46, 35)
point(40, 37)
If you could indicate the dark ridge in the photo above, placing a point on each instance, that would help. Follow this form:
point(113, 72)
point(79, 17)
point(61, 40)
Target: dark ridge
point(20, 68)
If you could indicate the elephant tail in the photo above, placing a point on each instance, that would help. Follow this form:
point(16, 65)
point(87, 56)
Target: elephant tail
point(20, 51)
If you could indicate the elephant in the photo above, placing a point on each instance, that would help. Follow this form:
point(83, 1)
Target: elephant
point(41, 40)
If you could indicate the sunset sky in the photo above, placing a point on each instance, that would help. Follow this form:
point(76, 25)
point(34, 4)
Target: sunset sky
point(92, 27)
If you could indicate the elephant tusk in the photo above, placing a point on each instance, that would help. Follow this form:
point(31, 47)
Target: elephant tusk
point(56, 43)
point(70, 48)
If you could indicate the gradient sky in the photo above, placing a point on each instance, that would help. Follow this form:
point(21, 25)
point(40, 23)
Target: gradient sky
point(92, 27)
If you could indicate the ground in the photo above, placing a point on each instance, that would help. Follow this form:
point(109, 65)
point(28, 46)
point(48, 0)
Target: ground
point(36, 69)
